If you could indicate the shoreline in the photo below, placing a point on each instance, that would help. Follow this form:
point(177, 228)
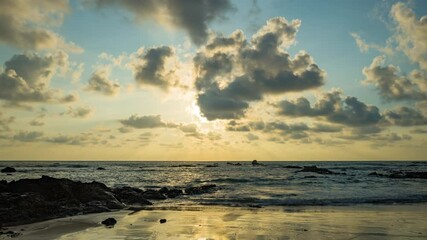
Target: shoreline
point(367, 221)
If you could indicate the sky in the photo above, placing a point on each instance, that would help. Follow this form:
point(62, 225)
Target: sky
point(213, 80)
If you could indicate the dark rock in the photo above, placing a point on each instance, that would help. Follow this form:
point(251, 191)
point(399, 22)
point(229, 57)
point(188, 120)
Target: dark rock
point(170, 193)
point(201, 189)
point(8, 170)
point(162, 220)
point(234, 164)
point(255, 163)
point(173, 193)
point(212, 165)
point(316, 170)
point(100, 168)
point(153, 195)
point(109, 222)
point(31, 200)
point(164, 190)
point(290, 166)
point(310, 177)
point(10, 234)
point(131, 196)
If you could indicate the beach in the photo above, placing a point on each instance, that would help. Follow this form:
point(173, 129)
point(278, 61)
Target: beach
point(404, 221)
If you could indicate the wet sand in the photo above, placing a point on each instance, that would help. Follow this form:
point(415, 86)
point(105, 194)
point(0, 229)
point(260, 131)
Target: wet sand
point(328, 222)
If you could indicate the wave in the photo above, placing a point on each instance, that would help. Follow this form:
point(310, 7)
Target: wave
point(250, 202)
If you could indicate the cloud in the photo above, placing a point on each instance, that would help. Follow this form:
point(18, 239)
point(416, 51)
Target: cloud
point(365, 47)
point(231, 72)
point(63, 139)
point(411, 33)
point(5, 122)
point(251, 137)
point(150, 68)
point(191, 15)
point(149, 121)
point(333, 107)
point(25, 136)
point(24, 25)
point(405, 116)
point(79, 112)
point(100, 82)
point(26, 78)
point(392, 85)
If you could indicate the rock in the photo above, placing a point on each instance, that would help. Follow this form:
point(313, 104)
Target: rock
point(234, 164)
point(100, 168)
point(316, 170)
point(8, 170)
point(290, 166)
point(255, 163)
point(162, 220)
point(171, 193)
point(153, 195)
point(131, 196)
point(10, 234)
point(31, 200)
point(109, 222)
point(201, 189)
point(212, 165)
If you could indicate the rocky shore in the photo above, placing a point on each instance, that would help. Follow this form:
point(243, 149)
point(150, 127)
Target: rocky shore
point(32, 200)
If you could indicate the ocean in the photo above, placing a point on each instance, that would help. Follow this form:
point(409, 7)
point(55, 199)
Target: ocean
point(272, 184)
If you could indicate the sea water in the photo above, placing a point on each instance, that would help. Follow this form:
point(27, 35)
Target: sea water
point(271, 184)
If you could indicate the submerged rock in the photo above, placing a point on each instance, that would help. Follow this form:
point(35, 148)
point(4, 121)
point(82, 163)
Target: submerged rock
point(109, 222)
point(316, 170)
point(234, 164)
point(201, 189)
point(212, 165)
point(131, 196)
point(291, 166)
point(8, 170)
point(171, 193)
point(153, 195)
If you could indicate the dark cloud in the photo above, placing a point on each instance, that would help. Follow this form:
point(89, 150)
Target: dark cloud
point(191, 15)
point(64, 139)
point(392, 85)
point(405, 116)
point(26, 78)
point(25, 136)
point(150, 68)
point(326, 128)
point(230, 72)
point(149, 121)
point(100, 82)
point(333, 107)
point(23, 25)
